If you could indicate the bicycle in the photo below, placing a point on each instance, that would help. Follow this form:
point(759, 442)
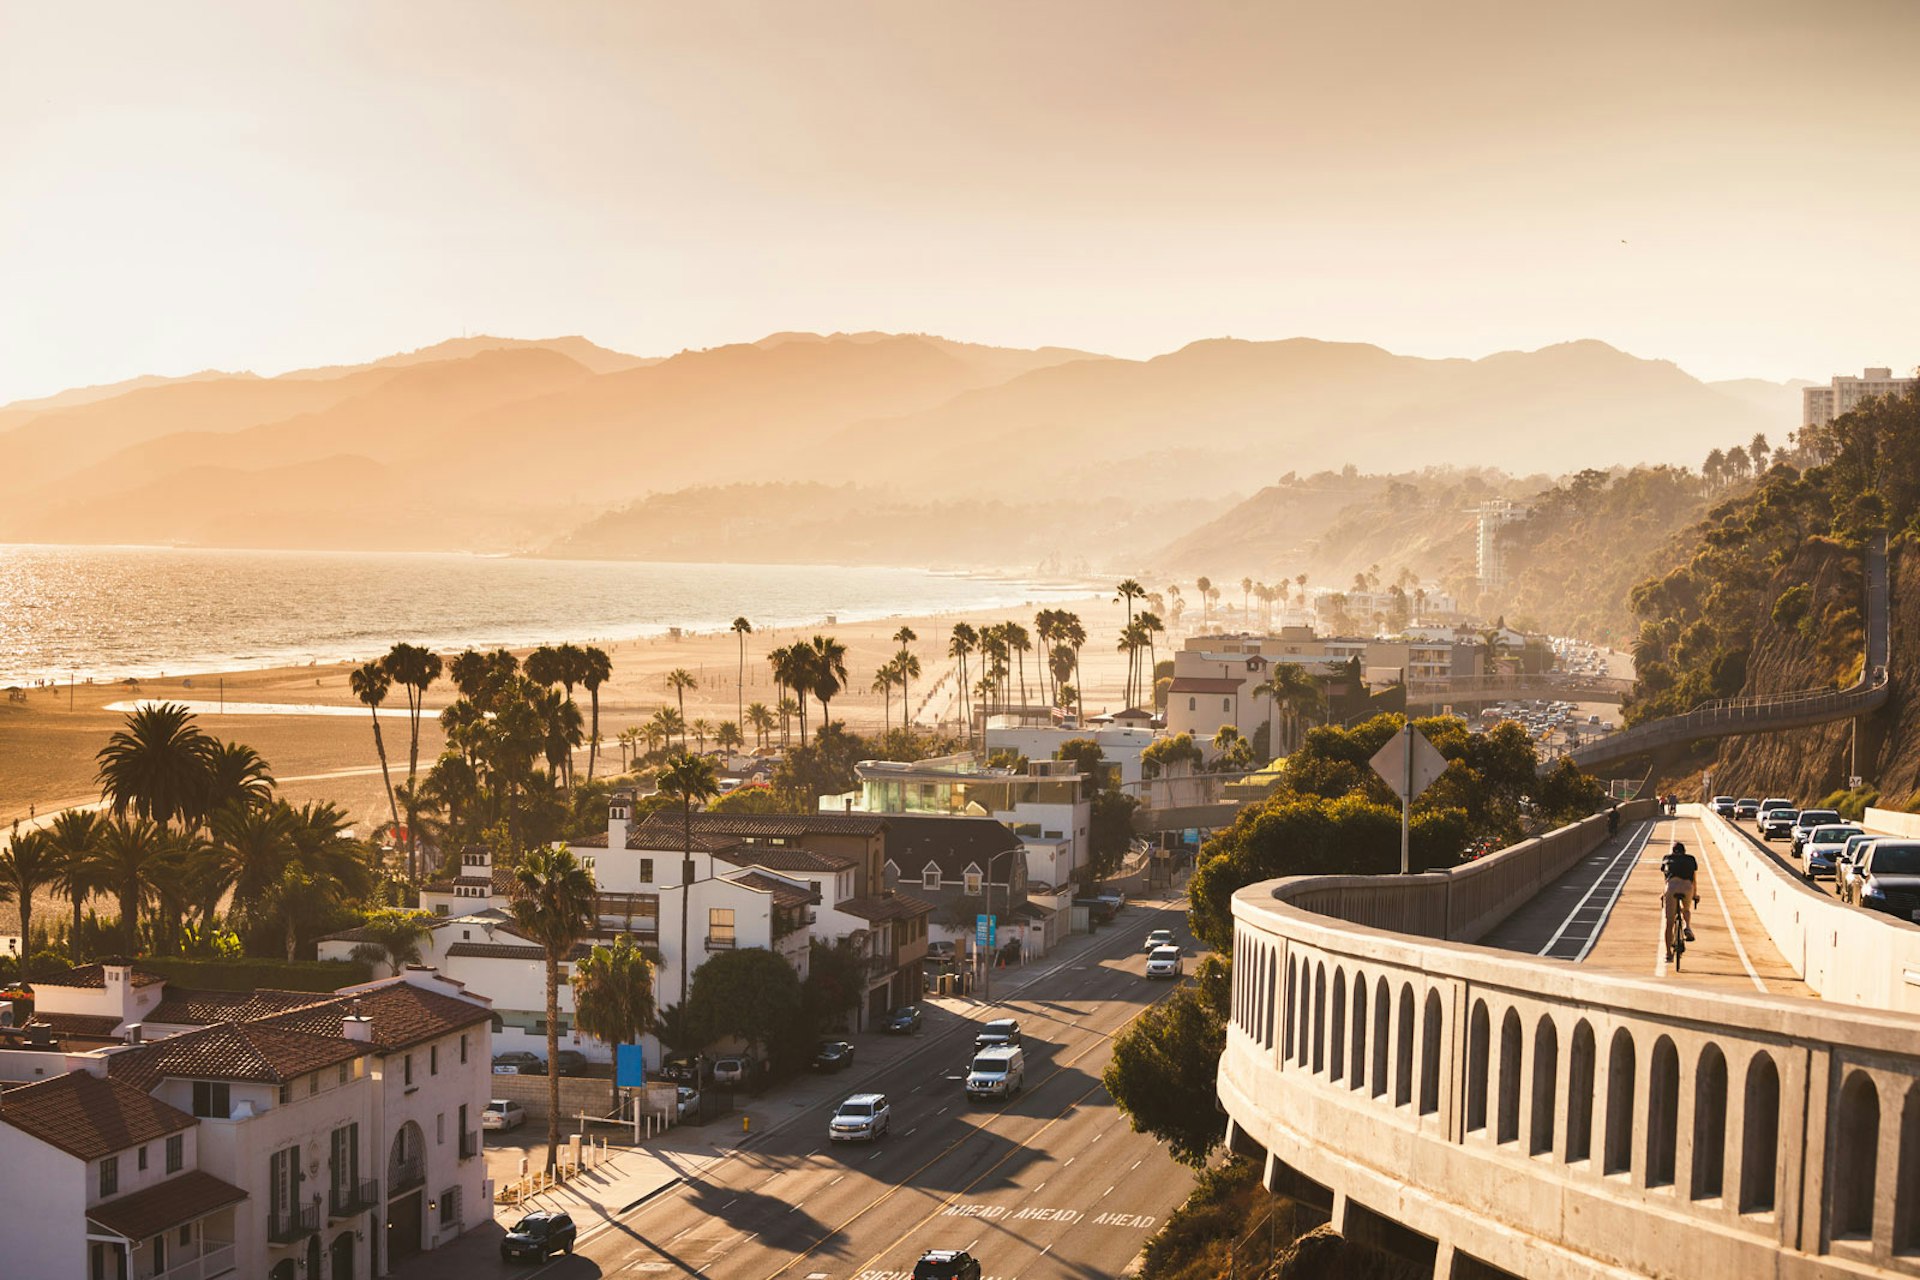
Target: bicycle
point(1676, 931)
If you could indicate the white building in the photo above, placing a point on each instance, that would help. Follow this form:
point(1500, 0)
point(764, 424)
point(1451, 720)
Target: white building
point(1120, 744)
point(1821, 405)
point(1489, 558)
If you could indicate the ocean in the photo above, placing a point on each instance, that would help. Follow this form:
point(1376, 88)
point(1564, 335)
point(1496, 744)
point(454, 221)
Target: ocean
point(105, 613)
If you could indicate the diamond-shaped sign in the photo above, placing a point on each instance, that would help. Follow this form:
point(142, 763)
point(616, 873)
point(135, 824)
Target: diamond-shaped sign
point(1390, 762)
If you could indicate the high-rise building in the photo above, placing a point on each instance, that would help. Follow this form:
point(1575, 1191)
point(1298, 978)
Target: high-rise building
point(1821, 405)
point(1490, 560)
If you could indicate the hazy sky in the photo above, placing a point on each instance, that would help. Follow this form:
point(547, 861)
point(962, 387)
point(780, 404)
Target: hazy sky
point(1734, 186)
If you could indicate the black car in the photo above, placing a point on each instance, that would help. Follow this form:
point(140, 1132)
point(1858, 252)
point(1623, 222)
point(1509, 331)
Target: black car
point(539, 1236)
point(905, 1021)
point(947, 1264)
point(572, 1062)
point(1889, 880)
point(833, 1055)
point(519, 1062)
point(682, 1069)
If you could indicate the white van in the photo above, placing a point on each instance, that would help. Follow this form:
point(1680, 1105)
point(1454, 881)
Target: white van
point(999, 1072)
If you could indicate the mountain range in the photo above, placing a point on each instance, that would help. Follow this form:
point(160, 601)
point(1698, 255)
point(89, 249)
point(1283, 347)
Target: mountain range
point(500, 444)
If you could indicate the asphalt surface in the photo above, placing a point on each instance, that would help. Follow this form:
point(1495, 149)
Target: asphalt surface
point(1050, 1184)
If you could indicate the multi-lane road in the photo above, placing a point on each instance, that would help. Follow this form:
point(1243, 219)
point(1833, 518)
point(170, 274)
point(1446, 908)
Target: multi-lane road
point(1051, 1184)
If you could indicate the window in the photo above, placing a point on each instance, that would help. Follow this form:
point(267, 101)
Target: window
point(186, 1235)
point(346, 1161)
point(313, 1084)
point(406, 1068)
point(345, 1071)
point(109, 1176)
point(176, 1154)
point(463, 1048)
point(646, 871)
point(440, 1128)
point(974, 882)
point(930, 878)
point(283, 1182)
point(449, 1206)
point(286, 1093)
point(212, 1099)
point(433, 1060)
point(140, 1162)
point(159, 1254)
point(1226, 704)
point(719, 926)
point(1193, 704)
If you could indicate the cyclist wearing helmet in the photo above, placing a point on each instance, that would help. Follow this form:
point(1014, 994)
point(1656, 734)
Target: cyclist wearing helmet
point(1680, 872)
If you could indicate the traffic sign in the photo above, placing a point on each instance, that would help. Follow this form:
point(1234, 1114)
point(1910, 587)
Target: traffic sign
point(1390, 762)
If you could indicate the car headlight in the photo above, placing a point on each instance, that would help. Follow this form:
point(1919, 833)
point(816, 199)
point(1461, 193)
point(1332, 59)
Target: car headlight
point(1873, 890)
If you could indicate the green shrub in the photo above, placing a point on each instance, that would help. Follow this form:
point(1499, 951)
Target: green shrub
point(1791, 606)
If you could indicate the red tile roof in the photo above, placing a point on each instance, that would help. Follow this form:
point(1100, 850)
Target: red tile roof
point(95, 976)
point(403, 1015)
point(784, 894)
point(509, 951)
point(89, 1116)
point(1203, 684)
point(876, 907)
point(201, 1008)
point(234, 1051)
point(80, 1026)
point(775, 857)
point(175, 1202)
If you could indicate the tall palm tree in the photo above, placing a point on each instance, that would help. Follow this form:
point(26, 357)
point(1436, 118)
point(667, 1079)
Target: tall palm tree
point(741, 630)
point(680, 680)
point(702, 729)
point(1073, 634)
point(156, 766)
point(76, 836)
point(1151, 626)
point(137, 858)
point(413, 669)
point(236, 775)
point(727, 737)
point(596, 668)
point(553, 897)
point(962, 643)
point(687, 778)
point(1294, 693)
point(613, 995)
point(762, 721)
point(884, 678)
point(1205, 587)
point(828, 664)
point(907, 664)
point(1021, 644)
point(370, 683)
point(28, 864)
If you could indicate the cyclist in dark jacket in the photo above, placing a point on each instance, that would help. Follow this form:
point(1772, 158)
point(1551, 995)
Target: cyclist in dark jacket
point(1681, 873)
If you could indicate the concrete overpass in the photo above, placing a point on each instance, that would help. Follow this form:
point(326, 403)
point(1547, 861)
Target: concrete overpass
point(1565, 1108)
point(1566, 687)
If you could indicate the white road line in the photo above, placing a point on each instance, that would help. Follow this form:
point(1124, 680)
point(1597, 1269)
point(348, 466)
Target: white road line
point(1106, 1193)
point(836, 1182)
point(909, 1133)
point(1070, 1160)
point(1706, 859)
point(1133, 1166)
point(1594, 888)
point(1039, 1188)
point(942, 1111)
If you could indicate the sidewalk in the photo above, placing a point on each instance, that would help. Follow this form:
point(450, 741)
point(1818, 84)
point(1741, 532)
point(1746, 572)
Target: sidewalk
point(601, 1196)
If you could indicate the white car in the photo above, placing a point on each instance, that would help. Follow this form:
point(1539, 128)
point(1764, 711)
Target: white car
point(1157, 939)
point(864, 1116)
point(502, 1114)
point(1165, 962)
point(687, 1102)
point(1820, 851)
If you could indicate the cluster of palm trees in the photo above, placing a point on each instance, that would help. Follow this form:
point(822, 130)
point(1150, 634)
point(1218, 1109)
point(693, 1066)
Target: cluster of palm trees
point(1138, 634)
point(1740, 463)
point(815, 668)
point(902, 669)
point(1001, 651)
point(190, 823)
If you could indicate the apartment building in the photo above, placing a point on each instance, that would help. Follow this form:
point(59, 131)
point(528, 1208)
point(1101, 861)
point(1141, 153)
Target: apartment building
point(1821, 405)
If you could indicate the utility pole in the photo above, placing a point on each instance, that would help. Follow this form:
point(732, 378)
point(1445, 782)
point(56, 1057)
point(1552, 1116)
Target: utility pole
point(1406, 801)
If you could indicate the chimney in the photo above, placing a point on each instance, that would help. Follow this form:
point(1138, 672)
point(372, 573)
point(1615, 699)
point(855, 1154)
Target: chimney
point(135, 1032)
point(619, 811)
point(355, 1027)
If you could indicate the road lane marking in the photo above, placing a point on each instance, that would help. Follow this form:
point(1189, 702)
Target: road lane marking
point(1634, 844)
point(1706, 859)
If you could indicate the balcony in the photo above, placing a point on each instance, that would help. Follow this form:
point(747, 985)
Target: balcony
point(405, 1175)
point(356, 1196)
point(215, 1259)
point(719, 942)
point(287, 1223)
point(469, 1144)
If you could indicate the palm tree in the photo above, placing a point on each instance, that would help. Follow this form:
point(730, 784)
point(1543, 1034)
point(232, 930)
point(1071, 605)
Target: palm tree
point(553, 897)
point(613, 995)
point(413, 669)
point(392, 937)
point(828, 663)
point(370, 683)
point(76, 836)
point(596, 668)
point(1151, 626)
point(788, 710)
point(1205, 587)
point(669, 724)
point(702, 730)
point(156, 766)
point(687, 778)
point(958, 647)
point(1074, 635)
point(250, 851)
point(680, 680)
point(884, 678)
point(629, 739)
point(236, 775)
point(907, 666)
point(727, 736)
point(742, 629)
point(1294, 692)
point(28, 864)
point(1022, 644)
point(137, 858)
point(761, 721)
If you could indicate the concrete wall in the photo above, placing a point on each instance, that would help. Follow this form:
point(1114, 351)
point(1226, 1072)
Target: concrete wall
point(577, 1093)
point(1848, 955)
point(1894, 823)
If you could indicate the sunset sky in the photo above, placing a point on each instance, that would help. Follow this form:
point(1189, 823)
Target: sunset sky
point(1732, 186)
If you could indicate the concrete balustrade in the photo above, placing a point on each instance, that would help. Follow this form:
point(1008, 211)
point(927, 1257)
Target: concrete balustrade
point(1894, 822)
point(1500, 1114)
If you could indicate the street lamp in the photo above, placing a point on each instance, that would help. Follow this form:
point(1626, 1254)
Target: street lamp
point(986, 977)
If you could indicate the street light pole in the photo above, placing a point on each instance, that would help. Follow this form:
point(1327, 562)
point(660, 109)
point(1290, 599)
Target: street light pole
point(993, 935)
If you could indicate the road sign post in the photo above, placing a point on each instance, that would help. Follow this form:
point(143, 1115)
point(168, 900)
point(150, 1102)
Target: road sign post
point(1409, 764)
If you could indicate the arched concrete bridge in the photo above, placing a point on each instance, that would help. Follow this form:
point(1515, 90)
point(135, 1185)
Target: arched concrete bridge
point(1564, 1109)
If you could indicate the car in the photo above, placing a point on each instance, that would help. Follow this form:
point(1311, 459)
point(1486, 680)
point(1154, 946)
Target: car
point(1772, 802)
point(519, 1062)
point(571, 1062)
point(1157, 939)
point(686, 1069)
point(1165, 962)
point(1777, 824)
point(1808, 820)
point(944, 952)
point(905, 1021)
point(833, 1055)
point(862, 1118)
point(539, 1236)
point(999, 1031)
point(1745, 809)
point(502, 1114)
point(1821, 849)
point(1723, 805)
point(999, 1071)
point(735, 1069)
point(686, 1103)
point(1889, 878)
point(946, 1264)
point(1847, 869)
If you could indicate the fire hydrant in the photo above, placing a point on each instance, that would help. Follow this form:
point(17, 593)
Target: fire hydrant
point(746, 1124)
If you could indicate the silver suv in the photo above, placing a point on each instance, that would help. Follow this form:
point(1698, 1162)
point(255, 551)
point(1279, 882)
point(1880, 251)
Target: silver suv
point(864, 1116)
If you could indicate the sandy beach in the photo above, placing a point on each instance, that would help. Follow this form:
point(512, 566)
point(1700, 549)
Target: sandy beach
point(47, 743)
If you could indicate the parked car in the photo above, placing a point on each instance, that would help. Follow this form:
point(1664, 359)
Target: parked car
point(1889, 879)
point(863, 1117)
point(1846, 875)
point(686, 1069)
point(1157, 939)
point(1165, 962)
point(686, 1103)
point(1723, 805)
point(539, 1236)
point(501, 1115)
point(571, 1062)
point(519, 1062)
point(1821, 849)
point(999, 1031)
point(833, 1055)
point(735, 1069)
point(944, 952)
point(905, 1021)
point(1745, 809)
point(1777, 824)
point(1808, 820)
point(946, 1264)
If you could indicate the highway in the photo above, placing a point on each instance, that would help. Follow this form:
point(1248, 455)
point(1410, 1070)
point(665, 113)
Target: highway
point(1051, 1184)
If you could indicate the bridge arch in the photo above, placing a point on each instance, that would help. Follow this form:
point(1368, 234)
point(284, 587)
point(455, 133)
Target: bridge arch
point(1856, 1151)
point(1479, 1068)
point(1580, 1065)
point(1709, 1149)
point(1382, 1035)
point(1546, 1080)
point(1357, 1063)
point(1337, 1037)
point(1760, 1135)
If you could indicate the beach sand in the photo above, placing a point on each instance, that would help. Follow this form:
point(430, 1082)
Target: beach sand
point(47, 744)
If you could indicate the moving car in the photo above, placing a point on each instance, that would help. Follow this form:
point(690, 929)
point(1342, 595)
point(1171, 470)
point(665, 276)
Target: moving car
point(1723, 805)
point(863, 1117)
point(1165, 962)
point(998, 1072)
point(519, 1062)
point(1745, 809)
point(1773, 802)
point(1846, 873)
point(946, 1264)
point(1157, 939)
point(502, 1114)
point(999, 1031)
point(1807, 821)
point(833, 1055)
point(1889, 878)
point(1822, 847)
point(539, 1236)
point(1777, 824)
point(905, 1021)
point(686, 1103)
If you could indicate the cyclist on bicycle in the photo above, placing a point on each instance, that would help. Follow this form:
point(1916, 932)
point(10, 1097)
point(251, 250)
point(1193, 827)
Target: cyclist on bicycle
point(1680, 871)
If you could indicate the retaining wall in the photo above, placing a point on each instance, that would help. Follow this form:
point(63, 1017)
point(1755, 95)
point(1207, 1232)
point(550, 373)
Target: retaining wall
point(1894, 822)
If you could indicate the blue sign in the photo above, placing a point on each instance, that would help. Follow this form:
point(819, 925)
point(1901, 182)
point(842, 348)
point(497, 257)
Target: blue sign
point(985, 931)
point(629, 1066)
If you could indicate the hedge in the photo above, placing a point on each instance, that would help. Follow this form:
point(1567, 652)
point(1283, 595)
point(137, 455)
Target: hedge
point(249, 974)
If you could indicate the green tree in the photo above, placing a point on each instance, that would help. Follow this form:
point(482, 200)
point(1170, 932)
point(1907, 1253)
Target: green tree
point(836, 984)
point(394, 935)
point(552, 906)
point(680, 680)
point(689, 779)
point(138, 859)
point(156, 766)
point(613, 995)
point(77, 836)
point(1164, 1065)
point(596, 668)
point(28, 864)
point(753, 995)
point(827, 661)
point(370, 683)
point(236, 775)
point(741, 630)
